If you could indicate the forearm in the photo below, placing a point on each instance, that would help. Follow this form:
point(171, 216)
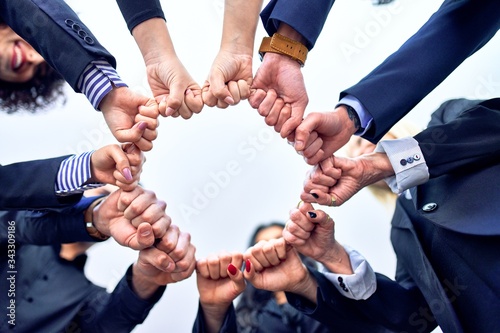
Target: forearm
point(337, 260)
point(153, 45)
point(142, 285)
point(213, 316)
point(307, 288)
point(240, 24)
point(376, 166)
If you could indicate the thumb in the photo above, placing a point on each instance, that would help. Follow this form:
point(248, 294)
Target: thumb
point(145, 236)
point(121, 161)
point(303, 131)
point(219, 88)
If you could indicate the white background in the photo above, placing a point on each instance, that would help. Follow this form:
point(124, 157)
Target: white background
point(188, 153)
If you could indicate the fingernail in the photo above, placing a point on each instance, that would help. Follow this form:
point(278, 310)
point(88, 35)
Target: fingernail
point(247, 265)
point(315, 195)
point(299, 145)
point(164, 99)
point(142, 125)
point(170, 111)
point(229, 100)
point(232, 269)
point(188, 91)
point(146, 233)
point(312, 215)
point(128, 174)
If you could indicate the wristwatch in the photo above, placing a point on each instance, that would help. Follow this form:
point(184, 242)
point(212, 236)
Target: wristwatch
point(89, 223)
point(284, 45)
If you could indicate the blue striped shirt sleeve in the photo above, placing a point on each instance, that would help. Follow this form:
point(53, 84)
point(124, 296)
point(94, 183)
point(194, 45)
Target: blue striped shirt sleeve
point(98, 78)
point(73, 173)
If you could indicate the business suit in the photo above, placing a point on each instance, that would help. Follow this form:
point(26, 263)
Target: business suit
point(58, 34)
point(31, 185)
point(52, 294)
point(446, 238)
point(455, 32)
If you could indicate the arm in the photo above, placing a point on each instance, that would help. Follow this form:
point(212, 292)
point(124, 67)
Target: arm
point(231, 74)
point(219, 282)
point(455, 32)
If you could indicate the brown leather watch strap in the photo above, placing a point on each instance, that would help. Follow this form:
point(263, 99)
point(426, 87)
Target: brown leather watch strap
point(89, 217)
point(284, 45)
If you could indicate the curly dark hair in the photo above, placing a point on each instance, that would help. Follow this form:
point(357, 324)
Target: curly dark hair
point(43, 90)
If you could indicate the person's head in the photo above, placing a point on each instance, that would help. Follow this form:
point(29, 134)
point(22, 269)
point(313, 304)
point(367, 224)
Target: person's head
point(26, 80)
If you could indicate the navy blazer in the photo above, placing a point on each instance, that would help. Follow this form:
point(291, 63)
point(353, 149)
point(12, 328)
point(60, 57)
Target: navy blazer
point(58, 34)
point(306, 17)
point(446, 239)
point(455, 32)
point(31, 185)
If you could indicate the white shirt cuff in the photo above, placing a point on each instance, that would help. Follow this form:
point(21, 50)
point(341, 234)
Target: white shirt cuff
point(365, 118)
point(407, 161)
point(360, 285)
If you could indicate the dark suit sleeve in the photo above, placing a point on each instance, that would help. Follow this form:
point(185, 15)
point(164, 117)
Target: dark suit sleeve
point(468, 142)
point(135, 12)
point(118, 312)
point(48, 27)
point(389, 309)
point(228, 326)
point(455, 32)
point(48, 227)
point(306, 17)
point(31, 185)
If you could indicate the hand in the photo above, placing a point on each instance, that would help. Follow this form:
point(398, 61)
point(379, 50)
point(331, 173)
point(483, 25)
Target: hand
point(335, 180)
point(219, 279)
point(333, 128)
point(282, 75)
point(120, 108)
point(125, 216)
point(118, 166)
point(266, 267)
point(160, 267)
point(229, 79)
point(312, 233)
point(173, 87)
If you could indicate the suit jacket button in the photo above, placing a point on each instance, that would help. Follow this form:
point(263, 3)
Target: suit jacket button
point(69, 22)
point(89, 40)
point(429, 207)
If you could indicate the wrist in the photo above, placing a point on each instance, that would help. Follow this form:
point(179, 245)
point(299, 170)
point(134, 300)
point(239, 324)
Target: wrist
point(289, 32)
point(143, 286)
point(307, 287)
point(337, 260)
point(95, 229)
point(349, 117)
point(377, 166)
point(284, 46)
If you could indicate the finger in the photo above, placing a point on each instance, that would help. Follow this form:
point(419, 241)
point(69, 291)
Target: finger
point(236, 276)
point(126, 198)
point(207, 96)
point(157, 259)
point(179, 276)
point(256, 98)
point(244, 89)
point(145, 236)
point(139, 204)
point(193, 99)
point(291, 123)
point(259, 259)
point(234, 91)
point(202, 268)
point(266, 105)
point(149, 134)
point(313, 148)
point(150, 210)
point(118, 156)
point(149, 114)
point(219, 88)
point(214, 267)
point(283, 116)
point(181, 248)
point(169, 241)
point(317, 158)
point(304, 130)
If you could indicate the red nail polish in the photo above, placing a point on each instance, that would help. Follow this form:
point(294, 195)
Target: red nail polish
point(247, 265)
point(232, 269)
